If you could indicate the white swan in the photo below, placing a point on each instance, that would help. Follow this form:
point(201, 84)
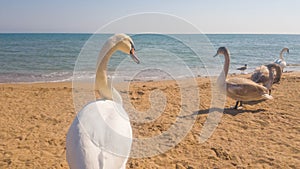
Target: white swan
point(101, 135)
point(281, 62)
point(240, 89)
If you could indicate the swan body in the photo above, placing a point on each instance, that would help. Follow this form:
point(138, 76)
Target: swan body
point(100, 136)
point(280, 61)
point(240, 89)
point(261, 74)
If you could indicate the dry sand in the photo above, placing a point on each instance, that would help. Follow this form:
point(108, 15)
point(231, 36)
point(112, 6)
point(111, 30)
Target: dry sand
point(34, 119)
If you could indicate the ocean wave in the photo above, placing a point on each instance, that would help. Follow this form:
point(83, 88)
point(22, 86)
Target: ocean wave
point(35, 77)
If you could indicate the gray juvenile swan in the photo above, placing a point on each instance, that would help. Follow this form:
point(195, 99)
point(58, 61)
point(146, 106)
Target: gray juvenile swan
point(261, 75)
point(100, 136)
point(240, 89)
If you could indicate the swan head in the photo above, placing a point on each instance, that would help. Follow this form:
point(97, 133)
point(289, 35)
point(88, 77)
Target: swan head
point(285, 50)
point(125, 44)
point(222, 51)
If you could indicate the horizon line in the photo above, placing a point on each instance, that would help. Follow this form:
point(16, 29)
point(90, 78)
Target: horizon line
point(207, 33)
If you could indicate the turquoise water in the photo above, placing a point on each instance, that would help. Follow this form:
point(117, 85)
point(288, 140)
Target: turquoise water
point(52, 57)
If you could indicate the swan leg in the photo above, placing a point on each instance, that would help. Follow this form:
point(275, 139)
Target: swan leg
point(241, 104)
point(236, 105)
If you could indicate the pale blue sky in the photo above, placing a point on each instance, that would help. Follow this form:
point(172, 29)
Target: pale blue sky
point(210, 16)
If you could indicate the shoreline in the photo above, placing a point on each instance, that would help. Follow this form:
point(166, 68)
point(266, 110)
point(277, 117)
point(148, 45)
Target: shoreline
point(139, 80)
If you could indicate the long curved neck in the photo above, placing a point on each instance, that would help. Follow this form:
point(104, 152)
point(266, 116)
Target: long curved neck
point(226, 63)
point(281, 54)
point(222, 78)
point(101, 82)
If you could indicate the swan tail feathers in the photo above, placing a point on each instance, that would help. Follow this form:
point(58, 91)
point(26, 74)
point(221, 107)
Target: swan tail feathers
point(267, 96)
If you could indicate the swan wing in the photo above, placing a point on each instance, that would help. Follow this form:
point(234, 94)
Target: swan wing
point(281, 63)
point(245, 90)
point(277, 61)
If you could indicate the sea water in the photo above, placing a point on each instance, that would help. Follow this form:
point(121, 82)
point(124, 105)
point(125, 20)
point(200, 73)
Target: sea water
point(63, 57)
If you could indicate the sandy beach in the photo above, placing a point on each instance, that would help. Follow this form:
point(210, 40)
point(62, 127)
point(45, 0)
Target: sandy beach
point(34, 120)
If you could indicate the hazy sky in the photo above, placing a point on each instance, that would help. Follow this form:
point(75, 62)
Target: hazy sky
point(210, 16)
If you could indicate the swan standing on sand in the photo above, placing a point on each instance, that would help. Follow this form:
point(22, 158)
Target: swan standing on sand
point(240, 89)
point(281, 62)
point(261, 75)
point(100, 136)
